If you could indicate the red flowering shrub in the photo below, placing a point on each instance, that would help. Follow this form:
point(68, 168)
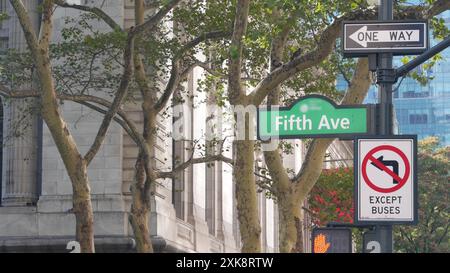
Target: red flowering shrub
point(331, 199)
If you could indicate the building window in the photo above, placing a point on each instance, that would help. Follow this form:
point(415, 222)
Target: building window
point(408, 94)
point(412, 94)
point(3, 45)
point(2, 10)
point(182, 184)
point(418, 119)
point(3, 5)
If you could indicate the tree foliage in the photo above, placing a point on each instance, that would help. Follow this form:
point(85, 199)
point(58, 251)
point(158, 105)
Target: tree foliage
point(432, 232)
point(331, 200)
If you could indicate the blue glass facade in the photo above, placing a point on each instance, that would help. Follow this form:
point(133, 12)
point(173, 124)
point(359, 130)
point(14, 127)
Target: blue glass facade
point(423, 110)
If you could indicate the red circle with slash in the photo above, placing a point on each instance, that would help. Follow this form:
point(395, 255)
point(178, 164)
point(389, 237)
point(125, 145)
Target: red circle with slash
point(369, 157)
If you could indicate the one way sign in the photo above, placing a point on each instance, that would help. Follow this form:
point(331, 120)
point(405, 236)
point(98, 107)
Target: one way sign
point(361, 38)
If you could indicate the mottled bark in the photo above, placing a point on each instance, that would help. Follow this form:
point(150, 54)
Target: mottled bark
point(140, 208)
point(82, 207)
point(298, 248)
point(246, 198)
point(281, 185)
point(287, 211)
point(244, 158)
point(144, 183)
point(288, 207)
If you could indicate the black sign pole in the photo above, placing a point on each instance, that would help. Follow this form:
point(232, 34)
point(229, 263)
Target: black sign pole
point(385, 13)
point(405, 69)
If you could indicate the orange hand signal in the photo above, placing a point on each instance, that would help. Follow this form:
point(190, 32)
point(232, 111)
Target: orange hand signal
point(320, 244)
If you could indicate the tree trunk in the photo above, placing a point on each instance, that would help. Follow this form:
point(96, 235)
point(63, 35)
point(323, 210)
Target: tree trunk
point(298, 248)
point(67, 148)
point(287, 230)
point(82, 208)
point(144, 181)
point(287, 207)
point(73, 161)
point(247, 208)
point(139, 222)
point(244, 157)
point(139, 210)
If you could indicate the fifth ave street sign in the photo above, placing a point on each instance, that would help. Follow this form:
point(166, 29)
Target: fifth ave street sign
point(312, 116)
point(361, 38)
point(385, 179)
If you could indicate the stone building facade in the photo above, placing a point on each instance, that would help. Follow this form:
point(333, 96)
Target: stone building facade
point(193, 213)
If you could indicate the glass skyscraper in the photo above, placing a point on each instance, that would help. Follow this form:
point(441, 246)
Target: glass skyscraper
point(422, 110)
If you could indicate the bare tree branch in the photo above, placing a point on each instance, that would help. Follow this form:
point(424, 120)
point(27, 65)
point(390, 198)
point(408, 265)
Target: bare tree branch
point(46, 26)
point(86, 100)
point(20, 94)
point(405, 235)
point(171, 85)
point(444, 234)
point(99, 12)
point(343, 73)
point(155, 19)
point(264, 186)
point(264, 177)
point(120, 121)
point(151, 4)
point(186, 164)
point(142, 79)
point(175, 75)
point(289, 69)
point(119, 96)
point(213, 35)
point(281, 183)
point(236, 92)
point(102, 102)
point(149, 95)
point(148, 25)
point(437, 7)
point(217, 74)
point(186, 71)
point(211, 71)
point(27, 26)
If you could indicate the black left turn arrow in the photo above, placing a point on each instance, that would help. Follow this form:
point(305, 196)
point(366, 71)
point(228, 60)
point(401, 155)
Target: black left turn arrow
point(387, 163)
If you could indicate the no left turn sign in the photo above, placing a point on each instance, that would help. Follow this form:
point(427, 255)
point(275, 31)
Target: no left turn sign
point(385, 175)
point(383, 165)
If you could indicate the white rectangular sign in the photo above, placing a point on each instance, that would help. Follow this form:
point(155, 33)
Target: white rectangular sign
point(385, 175)
point(360, 38)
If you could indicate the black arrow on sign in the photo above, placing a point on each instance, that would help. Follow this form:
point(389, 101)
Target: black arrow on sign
point(387, 163)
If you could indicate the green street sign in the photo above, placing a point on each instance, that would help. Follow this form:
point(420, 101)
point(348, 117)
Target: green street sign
point(312, 116)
